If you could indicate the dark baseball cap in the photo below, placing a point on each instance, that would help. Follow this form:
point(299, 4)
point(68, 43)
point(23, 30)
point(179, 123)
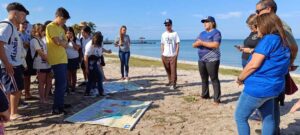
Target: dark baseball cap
point(208, 19)
point(17, 6)
point(168, 21)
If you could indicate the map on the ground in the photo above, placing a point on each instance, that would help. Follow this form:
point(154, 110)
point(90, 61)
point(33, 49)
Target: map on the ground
point(114, 87)
point(112, 113)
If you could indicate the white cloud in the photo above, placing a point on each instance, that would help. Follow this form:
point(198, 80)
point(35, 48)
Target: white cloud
point(229, 15)
point(164, 13)
point(198, 15)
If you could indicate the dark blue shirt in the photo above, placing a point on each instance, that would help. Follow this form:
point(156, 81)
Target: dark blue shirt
point(269, 79)
point(209, 54)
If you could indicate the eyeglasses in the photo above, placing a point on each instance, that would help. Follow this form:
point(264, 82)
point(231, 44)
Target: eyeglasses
point(259, 10)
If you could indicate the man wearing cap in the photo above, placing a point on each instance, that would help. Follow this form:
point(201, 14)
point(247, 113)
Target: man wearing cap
point(10, 55)
point(169, 53)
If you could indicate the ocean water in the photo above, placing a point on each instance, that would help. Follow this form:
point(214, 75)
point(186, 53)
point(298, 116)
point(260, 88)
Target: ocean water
point(230, 56)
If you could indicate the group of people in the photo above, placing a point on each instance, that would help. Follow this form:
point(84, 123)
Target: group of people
point(50, 50)
point(53, 50)
point(268, 54)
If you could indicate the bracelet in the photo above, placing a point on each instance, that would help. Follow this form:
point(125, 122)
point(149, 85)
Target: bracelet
point(242, 81)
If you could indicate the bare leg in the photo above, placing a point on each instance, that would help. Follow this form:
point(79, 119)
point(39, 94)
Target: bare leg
point(27, 86)
point(48, 85)
point(41, 87)
point(14, 102)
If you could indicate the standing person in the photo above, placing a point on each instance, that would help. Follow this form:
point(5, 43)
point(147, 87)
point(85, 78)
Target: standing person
point(270, 6)
point(57, 57)
point(29, 70)
point(39, 54)
point(123, 42)
point(249, 44)
point(92, 61)
point(264, 75)
point(85, 38)
point(73, 58)
point(251, 41)
point(10, 54)
point(169, 53)
point(208, 43)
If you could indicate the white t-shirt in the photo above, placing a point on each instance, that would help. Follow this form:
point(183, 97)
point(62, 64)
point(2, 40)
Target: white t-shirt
point(84, 42)
point(169, 41)
point(38, 62)
point(71, 52)
point(91, 50)
point(13, 50)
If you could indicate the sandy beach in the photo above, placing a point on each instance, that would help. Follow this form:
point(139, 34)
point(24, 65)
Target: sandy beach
point(173, 112)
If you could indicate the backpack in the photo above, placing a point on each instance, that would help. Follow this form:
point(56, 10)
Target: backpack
point(12, 29)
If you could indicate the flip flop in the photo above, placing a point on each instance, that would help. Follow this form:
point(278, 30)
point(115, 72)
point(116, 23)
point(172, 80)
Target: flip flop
point(20, 118)
point(32, 98)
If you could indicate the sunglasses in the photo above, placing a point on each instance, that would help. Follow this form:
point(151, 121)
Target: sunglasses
point(167, 25)
point(258, 11)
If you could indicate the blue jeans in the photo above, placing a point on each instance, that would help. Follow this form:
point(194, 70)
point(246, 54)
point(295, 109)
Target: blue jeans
point(60, 76)
point(95, 78)
point(246, 105)
point(124, 58)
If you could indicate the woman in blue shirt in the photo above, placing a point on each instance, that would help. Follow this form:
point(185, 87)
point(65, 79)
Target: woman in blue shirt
point(208, 44)
point(264, 75)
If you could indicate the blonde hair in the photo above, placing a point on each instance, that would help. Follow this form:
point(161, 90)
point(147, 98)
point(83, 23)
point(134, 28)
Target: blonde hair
point(122, 35)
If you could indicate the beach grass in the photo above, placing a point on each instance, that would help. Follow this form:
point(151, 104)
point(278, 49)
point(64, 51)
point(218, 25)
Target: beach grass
point(140, 62)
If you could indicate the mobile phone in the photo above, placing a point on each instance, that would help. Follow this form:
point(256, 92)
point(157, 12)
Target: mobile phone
point(237, 46)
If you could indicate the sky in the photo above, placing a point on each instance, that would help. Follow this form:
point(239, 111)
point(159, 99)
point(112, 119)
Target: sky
point(144, 18)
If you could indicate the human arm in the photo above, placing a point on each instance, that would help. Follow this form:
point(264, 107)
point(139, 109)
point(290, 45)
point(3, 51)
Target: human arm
point(295, 107)
point(8, 67)
point(106, 51)
point(206, 44)
point(253, 65)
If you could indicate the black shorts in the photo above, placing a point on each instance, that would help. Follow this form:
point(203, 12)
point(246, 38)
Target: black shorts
point(19, 77)
point(49, 70)
point(73, 64)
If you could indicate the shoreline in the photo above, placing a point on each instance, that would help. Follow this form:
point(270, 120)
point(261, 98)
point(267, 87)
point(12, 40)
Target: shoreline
point(192, 63)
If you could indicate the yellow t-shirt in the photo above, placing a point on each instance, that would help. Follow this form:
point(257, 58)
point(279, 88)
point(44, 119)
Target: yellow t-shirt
point(56, 53)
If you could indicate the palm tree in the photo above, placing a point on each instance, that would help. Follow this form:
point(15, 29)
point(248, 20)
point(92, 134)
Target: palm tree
point(92, 26)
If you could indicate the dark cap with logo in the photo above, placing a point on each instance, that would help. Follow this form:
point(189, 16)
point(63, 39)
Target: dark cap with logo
point(208, 19)
point(16, 6)
point(168, 21)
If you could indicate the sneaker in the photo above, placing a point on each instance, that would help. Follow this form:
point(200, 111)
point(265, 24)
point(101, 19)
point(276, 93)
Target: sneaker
point(23, 104)
point(88, 95)
point(58, 112)
point(173, 87)
point(82, 84)
point(168, 84)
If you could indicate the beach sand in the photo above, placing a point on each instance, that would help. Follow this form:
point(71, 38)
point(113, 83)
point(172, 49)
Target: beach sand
point(173, 112)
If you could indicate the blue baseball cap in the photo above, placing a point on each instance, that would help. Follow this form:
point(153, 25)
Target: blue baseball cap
point(168, 21)
point(208, 19)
